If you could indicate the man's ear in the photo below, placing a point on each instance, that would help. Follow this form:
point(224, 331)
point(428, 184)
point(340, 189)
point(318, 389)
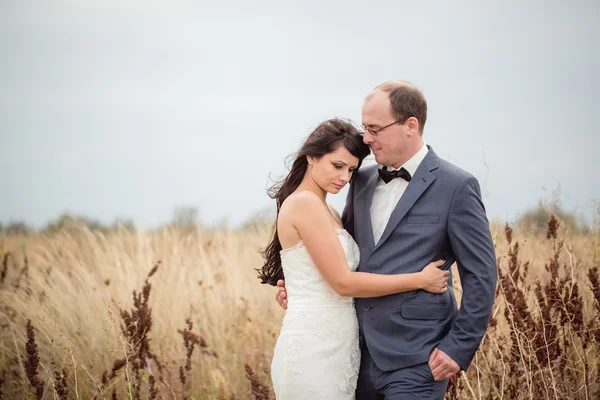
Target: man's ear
point(413, 125)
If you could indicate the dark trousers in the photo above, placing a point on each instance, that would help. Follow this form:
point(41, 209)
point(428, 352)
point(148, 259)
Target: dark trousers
point(415, 382)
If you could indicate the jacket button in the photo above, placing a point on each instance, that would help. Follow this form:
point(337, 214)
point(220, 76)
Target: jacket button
point(367, 308)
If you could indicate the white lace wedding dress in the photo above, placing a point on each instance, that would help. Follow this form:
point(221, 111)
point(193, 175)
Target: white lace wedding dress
point(317, 355)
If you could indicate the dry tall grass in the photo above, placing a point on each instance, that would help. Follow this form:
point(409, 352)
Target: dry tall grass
point(173, 314)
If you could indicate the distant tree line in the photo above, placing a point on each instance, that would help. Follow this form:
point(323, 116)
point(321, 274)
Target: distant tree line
point(186, 218)
point(65, 221)
point(536, 218)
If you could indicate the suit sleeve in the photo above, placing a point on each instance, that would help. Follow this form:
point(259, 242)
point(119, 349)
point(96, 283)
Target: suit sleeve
point(348, 212)
point(471, 241)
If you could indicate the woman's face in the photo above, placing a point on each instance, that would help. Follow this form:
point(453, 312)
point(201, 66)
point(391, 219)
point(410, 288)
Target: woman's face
point(333, 171)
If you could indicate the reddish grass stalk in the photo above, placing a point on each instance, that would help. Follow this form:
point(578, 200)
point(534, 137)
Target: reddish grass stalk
point(259, 391)
point(32, 361)
point(190, 340)
point(137, 324)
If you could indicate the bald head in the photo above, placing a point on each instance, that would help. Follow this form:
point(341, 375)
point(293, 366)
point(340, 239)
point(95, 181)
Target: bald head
point(406, 100)
point(389, 85)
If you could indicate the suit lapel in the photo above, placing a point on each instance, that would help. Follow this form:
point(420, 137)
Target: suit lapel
point(363, 208)
point(416, 187)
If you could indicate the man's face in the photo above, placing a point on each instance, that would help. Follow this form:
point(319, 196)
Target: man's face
point(389, 144)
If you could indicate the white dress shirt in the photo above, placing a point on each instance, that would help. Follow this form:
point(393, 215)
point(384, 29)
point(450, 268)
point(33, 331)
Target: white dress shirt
point(387, 195)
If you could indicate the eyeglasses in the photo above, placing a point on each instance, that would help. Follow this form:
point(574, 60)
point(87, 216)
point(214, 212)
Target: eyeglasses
point(374, 132)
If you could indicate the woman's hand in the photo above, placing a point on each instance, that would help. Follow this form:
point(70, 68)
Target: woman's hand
point(434, 279)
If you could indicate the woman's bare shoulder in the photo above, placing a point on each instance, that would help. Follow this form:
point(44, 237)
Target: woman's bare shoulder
point(304, 203)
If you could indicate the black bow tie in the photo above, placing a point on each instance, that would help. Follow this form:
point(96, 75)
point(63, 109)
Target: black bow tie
point(387, 176)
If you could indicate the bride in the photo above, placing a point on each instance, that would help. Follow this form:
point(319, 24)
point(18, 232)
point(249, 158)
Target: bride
point(317, 353)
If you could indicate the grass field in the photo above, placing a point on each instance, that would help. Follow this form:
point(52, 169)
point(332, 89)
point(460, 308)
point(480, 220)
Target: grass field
point(180, 314)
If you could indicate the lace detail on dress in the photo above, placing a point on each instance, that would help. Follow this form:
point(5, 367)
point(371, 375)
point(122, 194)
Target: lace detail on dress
point(317, 355)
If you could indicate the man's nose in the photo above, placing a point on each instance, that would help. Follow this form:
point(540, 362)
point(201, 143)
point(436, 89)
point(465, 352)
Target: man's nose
point(368, 138)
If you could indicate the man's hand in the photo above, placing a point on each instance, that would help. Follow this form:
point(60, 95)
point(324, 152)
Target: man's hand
point(281, 295)
point(442, 366)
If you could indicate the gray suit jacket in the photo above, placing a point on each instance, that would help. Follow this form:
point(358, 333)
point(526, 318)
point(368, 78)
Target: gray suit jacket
point(440, 214)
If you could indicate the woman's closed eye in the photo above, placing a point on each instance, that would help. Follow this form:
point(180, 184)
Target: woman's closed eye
point(340, 166)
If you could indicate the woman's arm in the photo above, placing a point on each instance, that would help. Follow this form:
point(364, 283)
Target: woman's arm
point(312, 220)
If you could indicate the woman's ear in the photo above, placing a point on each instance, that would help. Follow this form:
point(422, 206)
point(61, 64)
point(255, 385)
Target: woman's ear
point(310, 160)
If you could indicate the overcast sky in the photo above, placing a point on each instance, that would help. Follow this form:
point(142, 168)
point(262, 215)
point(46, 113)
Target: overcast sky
point(130, 108)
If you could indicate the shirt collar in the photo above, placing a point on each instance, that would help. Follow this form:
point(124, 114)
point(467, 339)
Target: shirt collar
point(413, 163)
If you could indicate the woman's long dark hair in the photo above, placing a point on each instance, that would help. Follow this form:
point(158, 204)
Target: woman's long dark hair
point(326, 138)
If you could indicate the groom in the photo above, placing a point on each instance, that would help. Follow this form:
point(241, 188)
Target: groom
point(411, 209)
